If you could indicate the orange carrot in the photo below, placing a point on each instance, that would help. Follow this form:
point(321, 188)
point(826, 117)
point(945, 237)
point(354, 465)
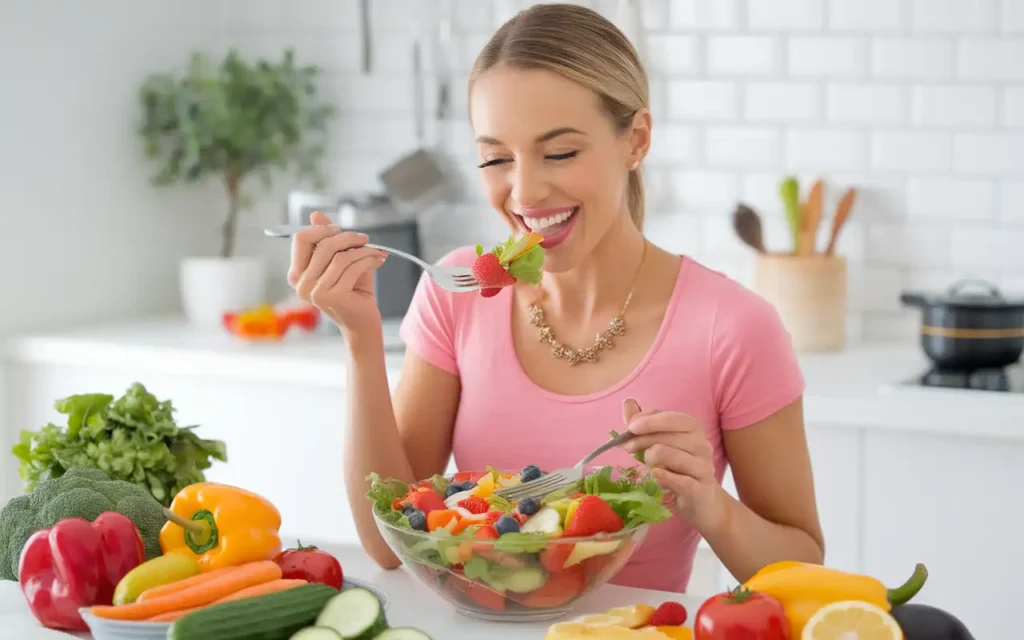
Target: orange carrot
point(174, 587)
point(249, 592)
point(246, 575)
point(263, 589)
point(171, 616)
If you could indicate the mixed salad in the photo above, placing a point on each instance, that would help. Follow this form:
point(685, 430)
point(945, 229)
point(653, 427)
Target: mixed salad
point(535, 552)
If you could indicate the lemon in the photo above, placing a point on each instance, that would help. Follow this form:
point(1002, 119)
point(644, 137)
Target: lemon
point(632, 617)
point(851, 620)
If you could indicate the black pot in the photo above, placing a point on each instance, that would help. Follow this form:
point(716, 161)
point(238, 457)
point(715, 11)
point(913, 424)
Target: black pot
point(970, 331)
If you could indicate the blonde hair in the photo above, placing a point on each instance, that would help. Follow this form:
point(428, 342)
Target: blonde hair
point(580, 45)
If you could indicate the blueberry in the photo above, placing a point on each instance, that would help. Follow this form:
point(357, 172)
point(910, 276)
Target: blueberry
point(506, 524)
point(529, 473)
point(467, 485)
point(417, 520)
point(529, 506)
point(452, 489)
point(407, 509)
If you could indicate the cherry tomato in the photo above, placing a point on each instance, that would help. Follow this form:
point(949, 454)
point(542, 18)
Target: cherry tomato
point(310, 564)
point(741, 614)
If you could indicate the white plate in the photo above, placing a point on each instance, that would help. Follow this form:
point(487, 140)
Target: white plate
point(105, 629)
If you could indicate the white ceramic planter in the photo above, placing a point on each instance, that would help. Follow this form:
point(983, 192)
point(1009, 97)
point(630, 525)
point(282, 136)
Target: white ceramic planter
point(212, 286)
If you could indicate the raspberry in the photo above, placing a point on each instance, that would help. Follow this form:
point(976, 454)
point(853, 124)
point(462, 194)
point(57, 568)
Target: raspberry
point(669, 614)
point(474, 504)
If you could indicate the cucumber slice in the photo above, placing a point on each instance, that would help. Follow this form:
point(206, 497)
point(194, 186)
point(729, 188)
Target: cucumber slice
point(402, 633)
point(316, 633)
point(355, 614)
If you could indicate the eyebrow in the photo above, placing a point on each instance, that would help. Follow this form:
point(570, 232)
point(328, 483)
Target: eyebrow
point(544, 137)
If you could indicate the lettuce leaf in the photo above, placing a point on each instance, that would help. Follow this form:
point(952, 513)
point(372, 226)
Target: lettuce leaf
point(382, 493)
point(527, 267)
point(521, 542)
point(636, 498)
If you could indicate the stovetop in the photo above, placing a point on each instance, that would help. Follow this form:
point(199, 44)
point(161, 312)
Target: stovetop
point(1008, 380)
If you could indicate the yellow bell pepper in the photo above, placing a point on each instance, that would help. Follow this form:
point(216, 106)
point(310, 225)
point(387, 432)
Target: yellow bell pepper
point(803, 588)
point(221, 526)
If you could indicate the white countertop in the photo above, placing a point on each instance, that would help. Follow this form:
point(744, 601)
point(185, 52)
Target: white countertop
point(858, 387)
point(412, 604)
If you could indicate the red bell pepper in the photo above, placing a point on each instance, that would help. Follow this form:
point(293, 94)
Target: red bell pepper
point(76, 564)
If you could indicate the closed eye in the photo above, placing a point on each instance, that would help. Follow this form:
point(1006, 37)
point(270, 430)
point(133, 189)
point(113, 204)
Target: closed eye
point(491, 163)
point(562, 156)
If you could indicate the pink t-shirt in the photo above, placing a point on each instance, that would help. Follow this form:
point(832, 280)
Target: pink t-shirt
point(721, 356)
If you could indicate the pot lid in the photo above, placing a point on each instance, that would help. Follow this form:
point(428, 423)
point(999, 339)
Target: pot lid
point(967, 294)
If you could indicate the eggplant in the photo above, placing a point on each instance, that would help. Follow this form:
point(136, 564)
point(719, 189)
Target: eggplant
point(923, 622)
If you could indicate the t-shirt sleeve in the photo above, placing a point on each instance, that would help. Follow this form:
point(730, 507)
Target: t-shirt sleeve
point(754, 366)
point(428, 327)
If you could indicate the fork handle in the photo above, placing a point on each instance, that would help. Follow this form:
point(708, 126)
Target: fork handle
point(618, 440)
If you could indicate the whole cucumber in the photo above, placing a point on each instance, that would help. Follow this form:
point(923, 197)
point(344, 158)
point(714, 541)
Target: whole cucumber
point(275, 616)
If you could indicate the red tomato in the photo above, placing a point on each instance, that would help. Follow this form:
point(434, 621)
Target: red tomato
point(741, 614)
point(310, 564)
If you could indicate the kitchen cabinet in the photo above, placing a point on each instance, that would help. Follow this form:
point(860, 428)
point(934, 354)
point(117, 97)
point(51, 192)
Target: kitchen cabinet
point(957, 505)
point(836, 461)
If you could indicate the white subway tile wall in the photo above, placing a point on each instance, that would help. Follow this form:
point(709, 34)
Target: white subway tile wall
point(917, 103)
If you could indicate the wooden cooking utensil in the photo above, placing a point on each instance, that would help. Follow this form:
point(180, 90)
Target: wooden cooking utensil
point(810, 218)
point(842, 213)
point(747, 225)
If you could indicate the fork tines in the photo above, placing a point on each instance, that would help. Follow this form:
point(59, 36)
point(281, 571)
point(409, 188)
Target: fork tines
point(540, 486)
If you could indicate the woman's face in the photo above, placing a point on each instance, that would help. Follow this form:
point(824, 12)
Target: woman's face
point(551, 160)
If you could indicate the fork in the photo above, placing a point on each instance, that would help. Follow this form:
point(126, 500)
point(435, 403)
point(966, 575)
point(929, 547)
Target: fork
point(560, 478)
point(455, 279)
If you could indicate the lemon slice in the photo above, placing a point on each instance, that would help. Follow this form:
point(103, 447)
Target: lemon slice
point(632, 617)
point(851, 620)
point(582, 631)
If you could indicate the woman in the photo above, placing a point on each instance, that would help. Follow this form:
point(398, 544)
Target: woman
point(701, 370)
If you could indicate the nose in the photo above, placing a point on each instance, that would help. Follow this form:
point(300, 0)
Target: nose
point(529, 183)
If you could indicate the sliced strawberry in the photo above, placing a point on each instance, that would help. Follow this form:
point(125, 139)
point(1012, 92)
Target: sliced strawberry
point(468, 476)
point(484, 596)
point(553, 558)
point(490, 292)
point(492, 516)
point(559, 589)
point(474, 504)
point(489, 272)
point(592, 516)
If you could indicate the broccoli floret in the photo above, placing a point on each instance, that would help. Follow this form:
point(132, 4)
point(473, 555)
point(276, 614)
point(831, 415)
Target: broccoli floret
point(79, 493)
point(148, 515)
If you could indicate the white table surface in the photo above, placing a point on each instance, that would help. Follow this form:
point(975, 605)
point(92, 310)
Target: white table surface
point(412, 604)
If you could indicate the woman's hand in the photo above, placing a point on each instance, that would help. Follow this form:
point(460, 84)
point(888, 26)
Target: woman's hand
point(678, 453)
point(332, 270)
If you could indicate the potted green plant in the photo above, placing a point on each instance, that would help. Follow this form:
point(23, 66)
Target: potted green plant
point(232, 123)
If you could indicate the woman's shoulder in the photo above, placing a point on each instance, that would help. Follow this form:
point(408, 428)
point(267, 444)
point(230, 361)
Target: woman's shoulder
point(734, 307)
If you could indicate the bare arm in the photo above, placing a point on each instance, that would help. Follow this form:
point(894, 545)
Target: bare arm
point(409, 439)
point(776, 516)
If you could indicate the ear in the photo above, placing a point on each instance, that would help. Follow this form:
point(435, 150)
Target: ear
point(639, 137)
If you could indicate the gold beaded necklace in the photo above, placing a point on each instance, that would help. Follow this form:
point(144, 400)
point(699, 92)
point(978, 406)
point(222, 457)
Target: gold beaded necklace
point(604, 340)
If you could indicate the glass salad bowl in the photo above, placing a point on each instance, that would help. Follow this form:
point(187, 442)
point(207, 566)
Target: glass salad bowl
point(530, 561)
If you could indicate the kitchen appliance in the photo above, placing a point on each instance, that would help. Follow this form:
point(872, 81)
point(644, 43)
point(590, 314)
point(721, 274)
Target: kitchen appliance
point(970, 332)
point(1007, 380)
point(375, 215)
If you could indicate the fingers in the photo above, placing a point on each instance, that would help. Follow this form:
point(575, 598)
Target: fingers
point(304, 243)
point(630, 408)
point(649, 422)
point(359, 268)
point(324, 254)
point(319, 218)
point(662, 456)
point(674, 483)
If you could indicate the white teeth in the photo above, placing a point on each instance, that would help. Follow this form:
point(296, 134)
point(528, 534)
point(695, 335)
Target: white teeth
point(536, 224)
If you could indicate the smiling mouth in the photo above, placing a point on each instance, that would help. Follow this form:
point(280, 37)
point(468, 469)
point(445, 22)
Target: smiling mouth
point(547, 224)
